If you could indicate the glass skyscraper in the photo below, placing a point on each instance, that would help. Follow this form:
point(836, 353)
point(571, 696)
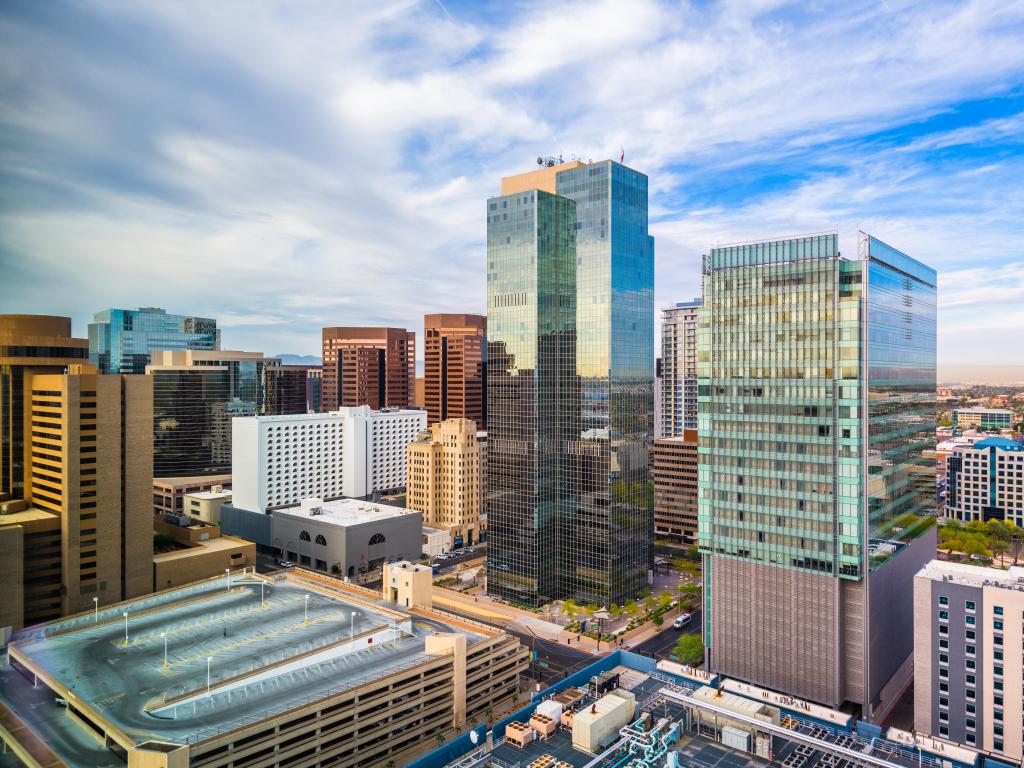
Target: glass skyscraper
point(816, 416)
point(121, 340)
point(570, 384)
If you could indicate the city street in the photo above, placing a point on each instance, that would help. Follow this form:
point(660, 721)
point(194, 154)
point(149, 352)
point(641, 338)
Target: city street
point(554, 660)
point(660, 646)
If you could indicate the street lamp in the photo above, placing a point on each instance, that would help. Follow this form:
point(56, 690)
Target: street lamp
point(262, 585)
point(125, 614)
point(305, 614)
point(164, 636)
point(352, 626)
point(227, 572)
point(602, 616)
point(208, 660)
point(96, 609)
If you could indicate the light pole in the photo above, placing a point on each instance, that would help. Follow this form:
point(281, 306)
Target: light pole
point(164, 636)
point(125, 614)
point(305, 615)
point(262, 584)
point(352, 626)
point(96, 609)
point(227, 572)
point(208, 660)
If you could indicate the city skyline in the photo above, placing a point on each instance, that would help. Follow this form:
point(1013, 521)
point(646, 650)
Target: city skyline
point(231, 207)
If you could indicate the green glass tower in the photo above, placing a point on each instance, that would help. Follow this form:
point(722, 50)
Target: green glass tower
point(570, 394)
point(816, 418)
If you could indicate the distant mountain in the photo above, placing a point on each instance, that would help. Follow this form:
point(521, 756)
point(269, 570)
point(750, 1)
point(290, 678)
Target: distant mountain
point(287, 359)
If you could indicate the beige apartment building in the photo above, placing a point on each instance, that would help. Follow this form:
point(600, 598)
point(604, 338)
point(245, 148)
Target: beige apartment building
point(81, 534)
point(445, 479)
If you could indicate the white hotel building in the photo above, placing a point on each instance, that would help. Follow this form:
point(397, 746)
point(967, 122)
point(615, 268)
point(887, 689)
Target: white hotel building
point(276, 461)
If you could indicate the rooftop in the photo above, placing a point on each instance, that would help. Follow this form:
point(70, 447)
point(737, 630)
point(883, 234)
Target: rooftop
point(356, 410)
point(983, 410)
point(272, 645)
point(1002, 443)
point(219, 544)
point(210, 495)
point(973, 575)
point(344, 511)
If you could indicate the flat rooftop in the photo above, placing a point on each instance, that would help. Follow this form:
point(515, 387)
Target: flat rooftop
point(974, 575)
point(344, 511)
point(219, 544)
point(210, 494)
point(307, 640)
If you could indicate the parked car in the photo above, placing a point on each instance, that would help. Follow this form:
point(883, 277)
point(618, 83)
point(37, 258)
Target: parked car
point(286, 563)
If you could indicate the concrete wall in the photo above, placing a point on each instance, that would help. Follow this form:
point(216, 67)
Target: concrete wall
point(12, 567)
point(248, 525)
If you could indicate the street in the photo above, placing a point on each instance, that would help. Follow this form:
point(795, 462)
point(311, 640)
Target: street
point(660, 646)
point(554, 660)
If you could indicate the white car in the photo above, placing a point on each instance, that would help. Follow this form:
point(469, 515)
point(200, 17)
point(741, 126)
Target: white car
point(681, 621)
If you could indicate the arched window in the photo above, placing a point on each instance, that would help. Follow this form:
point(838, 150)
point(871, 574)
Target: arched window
point(304, 535)
point(377, 538)
point(321, 540)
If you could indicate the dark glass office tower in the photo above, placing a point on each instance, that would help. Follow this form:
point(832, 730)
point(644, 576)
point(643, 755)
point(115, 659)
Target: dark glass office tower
point(582, 527)
point(816, 413)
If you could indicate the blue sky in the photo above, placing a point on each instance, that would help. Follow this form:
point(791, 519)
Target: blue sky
point(287, 166)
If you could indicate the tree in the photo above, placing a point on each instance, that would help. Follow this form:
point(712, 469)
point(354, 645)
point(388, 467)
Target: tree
point(570, 608)
point(649, 603)
point(631, 608)
point(615, 610)
point(590, 609)
point(664, 600)
point(689, 592)
point(658, 620)
point(689, 649)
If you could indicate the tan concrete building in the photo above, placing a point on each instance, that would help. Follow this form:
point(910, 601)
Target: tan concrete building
point(198, 551)
point(674, 471)
point(206, 505)
point(455, 364)
point(378, 692)
point(85, 515)
point(169, 492)
point(444, 473)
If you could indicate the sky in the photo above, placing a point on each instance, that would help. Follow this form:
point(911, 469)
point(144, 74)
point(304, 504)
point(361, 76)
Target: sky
point(285, 166)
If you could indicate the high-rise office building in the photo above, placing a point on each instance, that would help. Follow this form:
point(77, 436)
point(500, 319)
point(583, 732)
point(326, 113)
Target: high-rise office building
point(444, 473)
point(969, 657)
point(986, 481)
point(122, 340)
point(287, 388)
point(817, 475)
point(196, 393)
point(455, 367)
point(28, 344)
point(368, 366)
point(83, 529)
point(679, 367)
point(570, 279)
point(674, 472)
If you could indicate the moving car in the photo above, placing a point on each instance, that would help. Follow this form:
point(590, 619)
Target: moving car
point(681, 621)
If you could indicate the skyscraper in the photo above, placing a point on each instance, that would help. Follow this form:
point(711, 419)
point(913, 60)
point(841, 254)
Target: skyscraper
point(82, 529)
point(679, 367)
point(570, 384)
point(287, 388)
point(196, 393)
point(368, 366)
point(816, 487)
point(122, 340)
point(455, 367)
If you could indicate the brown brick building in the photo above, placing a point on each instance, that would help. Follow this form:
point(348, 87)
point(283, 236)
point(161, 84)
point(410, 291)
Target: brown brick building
point(455, 355)
point(674, 469)
point(368, 366)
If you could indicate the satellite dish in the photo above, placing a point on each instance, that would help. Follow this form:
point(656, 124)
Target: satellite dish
point(540, 161)
point(474, 736)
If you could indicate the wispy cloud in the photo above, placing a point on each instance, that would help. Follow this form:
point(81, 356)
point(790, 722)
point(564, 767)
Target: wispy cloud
point(284, 166)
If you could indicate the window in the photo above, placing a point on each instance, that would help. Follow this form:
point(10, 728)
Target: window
point(304, 535)
point(943, 600)
point(321, 540)
point(377, 538)
point(969, 605)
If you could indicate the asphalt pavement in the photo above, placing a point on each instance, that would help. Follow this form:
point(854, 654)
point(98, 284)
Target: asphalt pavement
point(660, 646)
point(555, 661)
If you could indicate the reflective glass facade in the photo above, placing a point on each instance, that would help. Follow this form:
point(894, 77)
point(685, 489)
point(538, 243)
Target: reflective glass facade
point(192, 411)
point(121, 340)
point(589, 523)
point(816, 412)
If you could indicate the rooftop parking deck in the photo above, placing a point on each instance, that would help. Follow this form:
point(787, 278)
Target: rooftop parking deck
point(269, 645)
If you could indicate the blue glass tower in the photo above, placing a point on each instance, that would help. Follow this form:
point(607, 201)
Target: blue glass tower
point(569, 502)
point(121, 340)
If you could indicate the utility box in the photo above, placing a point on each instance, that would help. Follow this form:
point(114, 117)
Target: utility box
point(735, 738)
point(598, 725)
